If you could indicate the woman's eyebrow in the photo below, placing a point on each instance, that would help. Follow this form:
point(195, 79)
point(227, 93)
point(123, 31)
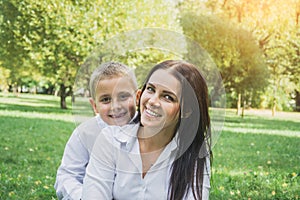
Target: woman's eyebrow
point(165, 91)
point(168, 92)
point(151, 84)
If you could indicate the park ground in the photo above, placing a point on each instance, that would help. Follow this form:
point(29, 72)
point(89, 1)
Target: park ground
point(255, 157)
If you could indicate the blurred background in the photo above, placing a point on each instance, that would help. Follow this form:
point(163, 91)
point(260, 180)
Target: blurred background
point(253, 44)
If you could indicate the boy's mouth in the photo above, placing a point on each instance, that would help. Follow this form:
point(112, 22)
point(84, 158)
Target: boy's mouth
point(117, 115)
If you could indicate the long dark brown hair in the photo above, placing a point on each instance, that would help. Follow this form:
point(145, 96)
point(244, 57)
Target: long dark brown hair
point(193, 130)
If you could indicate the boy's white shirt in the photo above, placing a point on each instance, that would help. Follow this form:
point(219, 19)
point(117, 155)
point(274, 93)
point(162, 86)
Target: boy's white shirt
point(70, 174)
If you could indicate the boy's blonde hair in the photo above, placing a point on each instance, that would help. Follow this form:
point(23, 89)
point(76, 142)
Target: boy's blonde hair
point(110, 70)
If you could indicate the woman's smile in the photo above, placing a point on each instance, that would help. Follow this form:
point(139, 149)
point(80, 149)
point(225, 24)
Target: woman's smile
point(152, 113)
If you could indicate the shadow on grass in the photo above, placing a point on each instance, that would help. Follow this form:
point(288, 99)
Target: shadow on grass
point(261, 123)
point(238, 151)
point(33, 108)
point(53, 102)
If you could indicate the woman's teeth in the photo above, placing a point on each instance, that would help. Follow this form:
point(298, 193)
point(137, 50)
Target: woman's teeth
point(150, 112)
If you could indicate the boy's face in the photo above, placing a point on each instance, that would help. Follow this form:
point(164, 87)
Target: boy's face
point(115, 100)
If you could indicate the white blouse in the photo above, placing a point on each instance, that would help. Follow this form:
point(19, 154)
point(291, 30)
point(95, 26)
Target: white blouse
point(115, 168)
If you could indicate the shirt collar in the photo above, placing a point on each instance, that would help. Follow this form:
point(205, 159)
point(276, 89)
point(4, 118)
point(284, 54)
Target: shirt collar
point(126, 134)
point(100, 121)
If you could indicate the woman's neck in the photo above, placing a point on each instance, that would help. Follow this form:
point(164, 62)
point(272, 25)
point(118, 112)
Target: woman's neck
point(152, 143)
point(151, 140)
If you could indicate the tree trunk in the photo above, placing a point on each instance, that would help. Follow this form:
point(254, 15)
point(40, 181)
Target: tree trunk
point(63, 95)
point(15, 90)
point(274, 107)
point(297, 99)
point(56, 92)
point(238, 108)
point(274, 100)
point(33, 90)
point(243, 109)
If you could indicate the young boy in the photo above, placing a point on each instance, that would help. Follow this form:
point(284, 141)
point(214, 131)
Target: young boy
point(113, 88)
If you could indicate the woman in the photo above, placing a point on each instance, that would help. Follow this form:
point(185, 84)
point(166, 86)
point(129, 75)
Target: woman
point(166, 155)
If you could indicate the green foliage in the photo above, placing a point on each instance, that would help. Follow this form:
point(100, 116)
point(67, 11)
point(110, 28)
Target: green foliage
point(234, 51)
point(47, 41)
point(55, 37)
point(4, 78)
point(271, 24)
point(139, 49)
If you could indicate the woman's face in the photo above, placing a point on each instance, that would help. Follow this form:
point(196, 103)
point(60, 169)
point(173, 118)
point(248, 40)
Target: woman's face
point(160, 101)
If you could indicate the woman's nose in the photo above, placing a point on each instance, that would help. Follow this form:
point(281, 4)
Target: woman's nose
point(154, 100)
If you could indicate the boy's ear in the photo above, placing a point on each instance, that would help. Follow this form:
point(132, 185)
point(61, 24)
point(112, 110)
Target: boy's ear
point(138, 96)
point(93, 104)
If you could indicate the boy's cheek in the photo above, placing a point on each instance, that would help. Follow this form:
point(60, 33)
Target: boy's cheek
point(103, 108)
point(131, 106)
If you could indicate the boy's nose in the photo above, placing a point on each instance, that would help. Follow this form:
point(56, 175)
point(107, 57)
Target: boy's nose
point(115, 105)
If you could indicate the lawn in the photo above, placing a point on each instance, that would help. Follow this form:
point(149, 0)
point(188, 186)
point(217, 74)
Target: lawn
point(255, 157)
point(258, 157)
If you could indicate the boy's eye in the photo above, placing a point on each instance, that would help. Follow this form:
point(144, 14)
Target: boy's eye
point(105, 100)
point(123, 96)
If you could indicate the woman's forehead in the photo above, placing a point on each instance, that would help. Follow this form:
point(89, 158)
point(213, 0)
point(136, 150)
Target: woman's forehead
point(166, 80)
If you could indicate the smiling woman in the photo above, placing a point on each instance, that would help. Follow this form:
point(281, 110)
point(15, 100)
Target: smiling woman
point(160, 102)
point(148, 160)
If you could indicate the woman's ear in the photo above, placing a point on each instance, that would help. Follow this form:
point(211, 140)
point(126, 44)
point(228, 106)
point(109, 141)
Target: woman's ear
point(138, 96)
point(94, 106)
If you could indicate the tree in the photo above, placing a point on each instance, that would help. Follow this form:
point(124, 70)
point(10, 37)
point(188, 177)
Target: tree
point(275, 27)
point(4, 76)
point(55, 37)
point(234, 51)
point(292, 71)
point(13, 55)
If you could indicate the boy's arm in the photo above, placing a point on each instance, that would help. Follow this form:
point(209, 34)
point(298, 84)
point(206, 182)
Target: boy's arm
point(71, 172)
point(100, 172)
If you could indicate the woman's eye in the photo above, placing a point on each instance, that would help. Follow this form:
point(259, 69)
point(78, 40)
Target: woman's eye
point(105, 100)
point(169, 98)
point(150, 89)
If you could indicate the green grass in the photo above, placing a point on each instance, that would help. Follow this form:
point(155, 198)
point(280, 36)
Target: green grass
point(255, 157)
point(258, 157)
point(33, 133)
